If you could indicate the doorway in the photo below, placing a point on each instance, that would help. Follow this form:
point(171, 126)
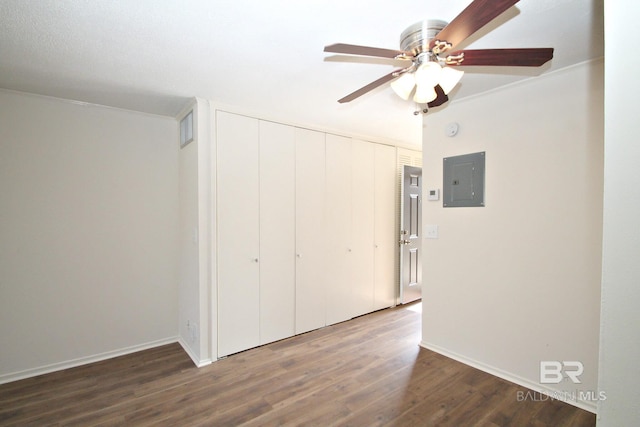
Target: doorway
point(411, 235)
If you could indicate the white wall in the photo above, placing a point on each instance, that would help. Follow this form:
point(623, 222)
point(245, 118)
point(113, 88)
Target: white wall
point(88, 233)
point(196, 319)
point(620, 333)
point(518, 281)
point(189, 294)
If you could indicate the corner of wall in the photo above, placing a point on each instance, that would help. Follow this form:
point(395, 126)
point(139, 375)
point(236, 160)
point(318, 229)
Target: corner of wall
point(620, 299)
point(188, 308)
point(192, 354)
point(197, 326)
point(206, 227)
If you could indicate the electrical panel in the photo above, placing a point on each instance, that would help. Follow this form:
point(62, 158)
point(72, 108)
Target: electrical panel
point(463, 180)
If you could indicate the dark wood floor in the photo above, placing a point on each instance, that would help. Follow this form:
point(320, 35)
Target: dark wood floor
point(369, 371)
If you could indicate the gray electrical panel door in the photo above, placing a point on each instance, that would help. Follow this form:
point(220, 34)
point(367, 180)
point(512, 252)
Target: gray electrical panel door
point(463, 180)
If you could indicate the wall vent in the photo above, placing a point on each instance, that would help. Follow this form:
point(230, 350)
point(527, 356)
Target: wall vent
point(186, 129)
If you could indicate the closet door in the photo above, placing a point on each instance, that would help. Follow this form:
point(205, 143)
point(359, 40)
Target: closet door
point(277, 231)
point(238, 233)
point(362, 223)
point(386, 234)
point(310, 230)
point(339, 278)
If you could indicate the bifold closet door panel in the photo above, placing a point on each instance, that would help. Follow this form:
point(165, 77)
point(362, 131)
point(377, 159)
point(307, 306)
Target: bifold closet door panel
point(277, 231)
point(238, 233)
point(386, 233)
point(310, 230)
point(339, 284)
point(362, 225)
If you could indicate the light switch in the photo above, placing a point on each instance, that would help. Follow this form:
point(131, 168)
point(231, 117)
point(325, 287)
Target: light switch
point(431, 231)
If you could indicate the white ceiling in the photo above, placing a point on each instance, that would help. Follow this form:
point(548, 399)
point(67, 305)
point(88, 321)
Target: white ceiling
point(264, 56)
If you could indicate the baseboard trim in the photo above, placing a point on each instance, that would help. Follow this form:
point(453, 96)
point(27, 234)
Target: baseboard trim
point(47, 369)
point(196, 360)
point(582, 404)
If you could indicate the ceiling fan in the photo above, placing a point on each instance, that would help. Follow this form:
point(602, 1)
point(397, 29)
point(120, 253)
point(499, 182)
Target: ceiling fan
point(428, 45)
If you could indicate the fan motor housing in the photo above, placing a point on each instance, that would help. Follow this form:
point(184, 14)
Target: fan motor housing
point(415, 39)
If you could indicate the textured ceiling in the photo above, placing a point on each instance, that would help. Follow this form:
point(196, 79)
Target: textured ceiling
point(264, 56)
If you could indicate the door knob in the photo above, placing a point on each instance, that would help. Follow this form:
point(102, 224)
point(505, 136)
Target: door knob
point(404, 242)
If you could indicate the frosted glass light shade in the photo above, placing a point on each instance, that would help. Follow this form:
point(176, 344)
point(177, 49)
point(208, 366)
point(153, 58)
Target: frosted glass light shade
point(449, 78)
point(403, 85)
point(425, 94)
point(428, 74)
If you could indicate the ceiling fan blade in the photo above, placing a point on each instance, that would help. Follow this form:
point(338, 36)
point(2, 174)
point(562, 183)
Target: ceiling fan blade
point(382, 80)
point(475, 16)
point(534, 57)
point(352, 49)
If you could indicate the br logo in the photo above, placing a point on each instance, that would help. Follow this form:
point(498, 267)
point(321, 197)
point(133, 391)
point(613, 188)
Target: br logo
point(552, 371)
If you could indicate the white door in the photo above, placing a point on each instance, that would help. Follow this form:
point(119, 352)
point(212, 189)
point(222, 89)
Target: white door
point(339, 281)
point(310, 230)
point(363, 226)
point(238, 233)
point(385, 231)
point(277, 231)
point(411, 235)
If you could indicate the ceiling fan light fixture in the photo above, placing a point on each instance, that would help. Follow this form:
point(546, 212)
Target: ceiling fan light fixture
point(403, 85)
point(449, 78)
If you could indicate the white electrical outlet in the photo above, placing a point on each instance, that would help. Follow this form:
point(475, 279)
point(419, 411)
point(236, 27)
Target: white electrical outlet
point(193, 332)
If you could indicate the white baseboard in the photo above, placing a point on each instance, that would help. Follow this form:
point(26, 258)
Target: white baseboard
point(28, 373)
point(582, 404)
point(196, 360)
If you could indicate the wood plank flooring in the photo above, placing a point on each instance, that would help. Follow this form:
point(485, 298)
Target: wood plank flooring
point(369, 371)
